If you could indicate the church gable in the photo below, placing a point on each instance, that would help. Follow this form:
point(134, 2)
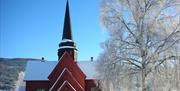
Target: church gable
point(66, 76)
point(67, 62)
point(66, 86)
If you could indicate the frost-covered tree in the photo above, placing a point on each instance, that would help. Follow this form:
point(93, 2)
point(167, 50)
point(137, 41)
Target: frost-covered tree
point(144, 34)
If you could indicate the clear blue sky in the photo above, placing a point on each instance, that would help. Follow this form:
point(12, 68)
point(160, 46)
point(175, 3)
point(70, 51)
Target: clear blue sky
point(33, 28)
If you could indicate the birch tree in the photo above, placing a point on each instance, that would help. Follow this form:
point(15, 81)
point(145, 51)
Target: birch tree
point(143, 36)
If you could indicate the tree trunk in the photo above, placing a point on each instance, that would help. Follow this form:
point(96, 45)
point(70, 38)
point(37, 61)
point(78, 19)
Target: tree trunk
point(143, 80)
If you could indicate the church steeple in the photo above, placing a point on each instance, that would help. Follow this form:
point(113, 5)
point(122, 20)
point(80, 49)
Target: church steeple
point(67, 24)
point(67, 44)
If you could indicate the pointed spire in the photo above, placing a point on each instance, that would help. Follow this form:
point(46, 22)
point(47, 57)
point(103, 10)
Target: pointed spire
point(67, 43)
point(67, 24)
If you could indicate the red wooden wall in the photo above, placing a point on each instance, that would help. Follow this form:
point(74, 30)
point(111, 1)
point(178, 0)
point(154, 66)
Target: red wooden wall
point(34, 85)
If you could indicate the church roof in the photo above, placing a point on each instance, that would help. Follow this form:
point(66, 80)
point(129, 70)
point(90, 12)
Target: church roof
point(38, 70)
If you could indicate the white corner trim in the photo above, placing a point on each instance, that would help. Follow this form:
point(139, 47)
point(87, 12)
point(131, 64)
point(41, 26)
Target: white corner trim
point(61, 76)
point(68, 84)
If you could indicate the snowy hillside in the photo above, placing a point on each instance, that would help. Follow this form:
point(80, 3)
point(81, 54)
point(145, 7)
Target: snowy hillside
point(11, 73)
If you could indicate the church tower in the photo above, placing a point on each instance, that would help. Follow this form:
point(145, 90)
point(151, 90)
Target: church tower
point(67, 44)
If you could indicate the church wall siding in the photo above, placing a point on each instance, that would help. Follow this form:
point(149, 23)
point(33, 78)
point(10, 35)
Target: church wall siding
point(90, 84)
point(34, 85)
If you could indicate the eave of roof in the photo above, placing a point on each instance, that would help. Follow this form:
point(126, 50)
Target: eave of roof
point(39, 71)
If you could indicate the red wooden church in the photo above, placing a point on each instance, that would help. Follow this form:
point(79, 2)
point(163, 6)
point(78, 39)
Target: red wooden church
point(67, 74)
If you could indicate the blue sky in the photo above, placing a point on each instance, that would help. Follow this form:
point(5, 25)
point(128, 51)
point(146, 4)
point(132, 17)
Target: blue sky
point(33, 28)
